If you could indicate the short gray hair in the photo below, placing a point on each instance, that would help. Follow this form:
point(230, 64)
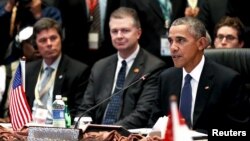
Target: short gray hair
point(125, 11)
point(196, 27)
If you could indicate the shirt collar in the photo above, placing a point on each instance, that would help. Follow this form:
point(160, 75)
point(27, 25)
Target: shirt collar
point(131, 57)
point(54, 65)
point(196, 72)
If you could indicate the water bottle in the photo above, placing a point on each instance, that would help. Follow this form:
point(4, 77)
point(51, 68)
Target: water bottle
point(66, 113)
point(58, 108)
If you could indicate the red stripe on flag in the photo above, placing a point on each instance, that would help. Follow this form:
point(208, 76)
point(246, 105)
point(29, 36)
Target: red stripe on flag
point(20, 112)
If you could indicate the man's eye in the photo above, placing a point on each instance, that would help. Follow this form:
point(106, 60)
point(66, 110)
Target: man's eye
point(125, 30)
point(180, 40)
point(170, 40)
point(53, 38)
point(114, 31)
point(43, 40)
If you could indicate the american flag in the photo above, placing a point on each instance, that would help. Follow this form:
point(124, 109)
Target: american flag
point(20, 112)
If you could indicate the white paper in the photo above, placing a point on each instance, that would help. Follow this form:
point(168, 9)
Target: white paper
point(93, 41)
point(165, 47)
point(144, 131)
point(160, 127)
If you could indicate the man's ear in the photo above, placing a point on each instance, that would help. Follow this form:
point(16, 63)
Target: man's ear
point(241, 44)
point(202, 43)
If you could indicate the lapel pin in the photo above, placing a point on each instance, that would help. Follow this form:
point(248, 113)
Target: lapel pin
point(206, 87)
point(136, 70)
point(60, 76)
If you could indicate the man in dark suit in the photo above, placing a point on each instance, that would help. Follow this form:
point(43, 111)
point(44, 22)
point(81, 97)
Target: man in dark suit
point(77, 23)
point(217, 101)
point(210, 13)
point(68, 78)
point(153, 21)
point(239, 9)
point(15, 15)
point(137, 100)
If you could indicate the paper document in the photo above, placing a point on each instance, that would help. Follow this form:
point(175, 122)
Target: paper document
point(160, 127)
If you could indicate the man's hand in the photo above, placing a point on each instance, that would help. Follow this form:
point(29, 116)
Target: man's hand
point(36, 8)
point(191, 12)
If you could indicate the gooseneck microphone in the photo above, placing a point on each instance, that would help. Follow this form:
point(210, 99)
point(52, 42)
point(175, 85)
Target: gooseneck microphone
point(144, 77)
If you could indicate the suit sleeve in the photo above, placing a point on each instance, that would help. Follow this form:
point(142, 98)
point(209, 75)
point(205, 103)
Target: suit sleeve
point(141, 114)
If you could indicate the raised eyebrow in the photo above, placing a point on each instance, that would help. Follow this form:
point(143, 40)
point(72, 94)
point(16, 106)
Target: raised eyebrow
point(176, 38)
point(42, 39)
point(113, 30)
point(169, 39)
point(125, 29)
point(180, 37)
point(53, 36)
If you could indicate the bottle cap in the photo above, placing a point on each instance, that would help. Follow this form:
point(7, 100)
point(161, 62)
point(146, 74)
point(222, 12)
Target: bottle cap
point(58, 96)
point(64, 99)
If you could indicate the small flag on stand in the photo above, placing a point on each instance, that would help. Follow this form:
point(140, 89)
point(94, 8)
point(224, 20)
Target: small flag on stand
point(20, 113)
point(177, 129)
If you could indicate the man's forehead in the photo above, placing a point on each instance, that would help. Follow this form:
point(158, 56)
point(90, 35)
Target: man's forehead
point(121, 22)
point(46, 32)
point(179, 27)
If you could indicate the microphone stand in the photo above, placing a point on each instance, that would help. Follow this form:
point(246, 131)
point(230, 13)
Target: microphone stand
point(98, 104)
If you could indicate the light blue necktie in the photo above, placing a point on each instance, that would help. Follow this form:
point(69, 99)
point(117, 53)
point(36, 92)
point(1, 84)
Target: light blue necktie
point(44, 81)
point(166, 8)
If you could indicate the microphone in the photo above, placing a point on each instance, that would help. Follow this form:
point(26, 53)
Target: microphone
point(142, 78)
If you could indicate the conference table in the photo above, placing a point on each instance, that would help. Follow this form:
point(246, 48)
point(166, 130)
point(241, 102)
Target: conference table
point(93, 132)
point(7, 134)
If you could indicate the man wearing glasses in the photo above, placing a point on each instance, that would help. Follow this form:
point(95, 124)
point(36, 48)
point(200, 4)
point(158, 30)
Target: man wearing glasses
point(229, 33)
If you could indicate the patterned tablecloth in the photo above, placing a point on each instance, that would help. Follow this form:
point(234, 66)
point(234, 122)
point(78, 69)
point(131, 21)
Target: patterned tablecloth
point(7, 134)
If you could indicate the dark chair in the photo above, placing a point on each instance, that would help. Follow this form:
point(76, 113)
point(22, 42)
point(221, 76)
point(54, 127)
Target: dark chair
point(235, 58)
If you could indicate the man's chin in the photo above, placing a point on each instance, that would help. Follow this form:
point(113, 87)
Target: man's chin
point(120, 47)
point(177, 65)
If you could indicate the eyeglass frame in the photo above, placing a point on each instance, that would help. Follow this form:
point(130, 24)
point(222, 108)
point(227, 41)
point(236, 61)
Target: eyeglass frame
point(229, 37)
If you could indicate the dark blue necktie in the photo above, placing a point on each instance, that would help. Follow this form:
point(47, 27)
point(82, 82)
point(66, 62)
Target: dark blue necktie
point(115, 103)
point(186, 100)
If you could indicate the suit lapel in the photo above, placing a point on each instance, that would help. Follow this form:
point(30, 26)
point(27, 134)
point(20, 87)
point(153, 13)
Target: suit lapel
point(31, 80)
point(107, 81)
point(136, 70)
point(108, 74)
point(60, 77)
point(177, 81)
point(35, 74)
point(204, 90)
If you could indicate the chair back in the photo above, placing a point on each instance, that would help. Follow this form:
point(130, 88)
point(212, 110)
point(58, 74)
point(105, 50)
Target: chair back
point(235, 58)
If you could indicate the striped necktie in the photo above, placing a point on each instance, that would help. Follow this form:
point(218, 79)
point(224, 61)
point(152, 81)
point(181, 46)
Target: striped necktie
point(95, 16)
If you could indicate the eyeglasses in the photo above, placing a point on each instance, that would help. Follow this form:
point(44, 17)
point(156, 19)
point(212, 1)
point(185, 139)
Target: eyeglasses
point(228, 37)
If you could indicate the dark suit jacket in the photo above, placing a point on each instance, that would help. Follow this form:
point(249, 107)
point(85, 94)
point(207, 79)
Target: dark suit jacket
point(218, 102)
point(240, 10)
point(77, 24)
point(71, 81)
point(137, 99)
point(211, 11)
point(153, 22)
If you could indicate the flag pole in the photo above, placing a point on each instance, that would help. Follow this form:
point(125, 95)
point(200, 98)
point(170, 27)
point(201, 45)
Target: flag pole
point(23, 63)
